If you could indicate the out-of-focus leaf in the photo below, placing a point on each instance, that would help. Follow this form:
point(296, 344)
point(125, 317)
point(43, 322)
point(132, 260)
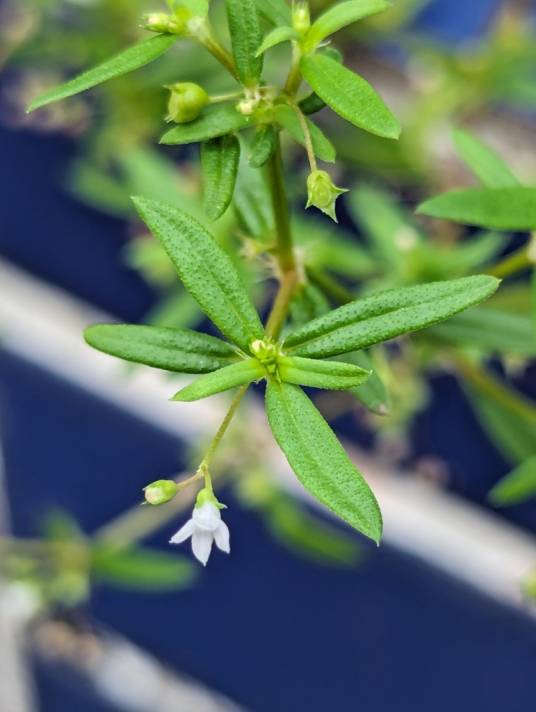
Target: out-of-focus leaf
point(339, 16)
point(307, 304)
point(263, 145)
point(288, 119)
point(237, 374)
point(246, 38)
point(495, 209)
point(372, 393)
point(141, 568)
point(127, 61)
point(487, 165)
point(277, 36)
point(219, 162)
point(277, 12)
point(252, 203)
point(517, 486)
point(95, 187)
point(217, 120)
point(177, 310)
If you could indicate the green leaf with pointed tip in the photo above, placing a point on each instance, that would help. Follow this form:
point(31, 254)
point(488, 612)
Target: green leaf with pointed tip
point(141, 568)
point(219, 163)
point(373, 393)
point(288, 119)
point(349, 95)
point(217, 120)
point(170, 349)
point(339, 16)
point(276, 12)
point(517, 486)
point(330, 375)
point(263, 145)
point(319, 460)
point(488, 167)
point(384, 316)
point(246, 37)
point(312, 103)
point(237, 374)
point(205, 269)
point(127, 61)
point(277, 36)
point(493, 208)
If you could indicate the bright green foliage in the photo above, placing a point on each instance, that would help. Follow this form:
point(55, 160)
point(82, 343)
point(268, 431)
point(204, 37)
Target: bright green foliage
point(489, 168)
point(383, 316)
point(340, 15)
point(215, 121)
point(246, 38)
point(322, 146)
point(127, 61)
point(321, 374)
point(277, 12)
point(219, 162)
point(141, 568)
point(206, 271)
point(493, 208)
point(518, 486)
point(237, 374)
point(277, 36)
point(319, 460)
point(263, 145)
point(349, 95)
point(178, 350)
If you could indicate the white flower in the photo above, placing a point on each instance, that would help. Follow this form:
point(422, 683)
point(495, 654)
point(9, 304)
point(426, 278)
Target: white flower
point(205, 527)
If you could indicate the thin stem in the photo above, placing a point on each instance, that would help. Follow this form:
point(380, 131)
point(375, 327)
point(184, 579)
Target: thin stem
point(281, 304)
point(294, 78)
point(225, 97)
point(203, 34)
point(307, 136)
point(209, 456)
point(276, 181)
point(516, 262)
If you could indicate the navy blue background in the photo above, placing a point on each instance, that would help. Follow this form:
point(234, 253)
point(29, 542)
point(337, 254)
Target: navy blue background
point(273, 632)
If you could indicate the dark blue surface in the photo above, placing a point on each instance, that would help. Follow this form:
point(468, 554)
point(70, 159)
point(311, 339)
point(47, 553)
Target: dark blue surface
point(457, 21)
point(270, 630)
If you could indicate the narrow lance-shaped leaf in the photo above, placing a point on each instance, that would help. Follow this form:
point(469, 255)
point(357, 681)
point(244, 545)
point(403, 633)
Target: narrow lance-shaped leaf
point(319, 460)
point(206, 271)
point(277, 36)
point(312, 103)
point(489, 167)
point(263, 145)
point(237, 374)
point(386, 315)
point(277, 12)
point(322, 146)
point(246, 38)
point(497, 209)
point(216, 121)
point(349, 95)
point(219, 163)
point(315, 373)
point(517, 486)
point(339, 16)
point(180, 350)
point(127, 61)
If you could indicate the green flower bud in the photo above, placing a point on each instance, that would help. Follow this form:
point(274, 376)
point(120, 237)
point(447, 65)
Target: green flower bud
point(267, 353)
point(322, 193)
point(156, 22)
point(301, 17)
point(160, 492)
point(186, 102)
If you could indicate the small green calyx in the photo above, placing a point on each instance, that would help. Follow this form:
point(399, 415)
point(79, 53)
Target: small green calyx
point(267, 353)
point(161, 22)
point(301, 17)
point(206, 495)
point(160, 491)
point(322, 193)
point(187, 100)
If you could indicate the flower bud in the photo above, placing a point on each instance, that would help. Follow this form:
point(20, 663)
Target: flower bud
point(301, 17)
point(156, 22)
point(322, 193)
point(186, 102)
point(160, 492)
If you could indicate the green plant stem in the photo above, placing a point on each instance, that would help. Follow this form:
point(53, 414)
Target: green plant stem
point(205, 36)
point(307, 137)
point(285, 254)
point(294, 78)
point(516, 262)
point(209, 456)
point(281, 304)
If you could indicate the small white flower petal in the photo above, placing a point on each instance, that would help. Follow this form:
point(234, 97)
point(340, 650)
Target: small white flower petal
point(183, 533)
point(202, 545)
point(207, 516)
point(221, 537)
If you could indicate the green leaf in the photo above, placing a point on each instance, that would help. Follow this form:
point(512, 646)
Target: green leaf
point(277, 36)
point(518, 486)
point(322, 146)
point(141, 568)
point(219, 163)
point(246, 37)
point(312, 103)
point(319, 460)
point(217, 120)
point(237, 374)
point(490, 330)
point(489, 167)
point(349, 95)
point(252, 203)
point(263, 145)
point(127, 61)
point(206, 271)
point(384, 316)
point(339, 16)
point(331, 375)
point(373, 393)
point(496, 209)
point(178, 350)
point(276, 12)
